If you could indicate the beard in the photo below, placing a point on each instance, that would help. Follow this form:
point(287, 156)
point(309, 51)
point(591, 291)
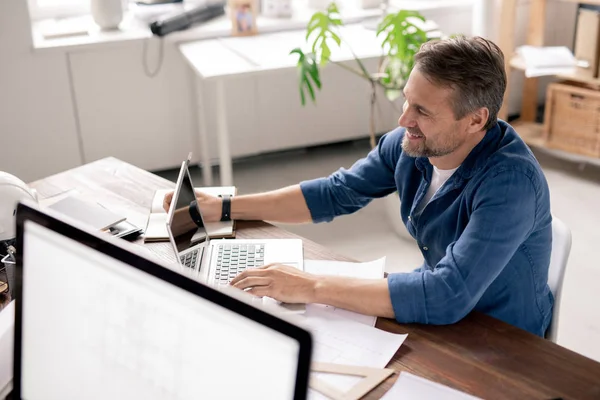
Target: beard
point(421, 148)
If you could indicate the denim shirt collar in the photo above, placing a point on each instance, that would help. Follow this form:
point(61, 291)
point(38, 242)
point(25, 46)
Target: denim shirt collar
point(476, 159)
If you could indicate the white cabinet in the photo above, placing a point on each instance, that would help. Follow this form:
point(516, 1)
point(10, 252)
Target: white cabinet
point(341, 111)
point(37, 129)
point(264, 112)
point(125, 114)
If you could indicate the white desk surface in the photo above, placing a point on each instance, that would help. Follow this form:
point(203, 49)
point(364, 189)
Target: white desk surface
point(219, 58)
point(211, 59)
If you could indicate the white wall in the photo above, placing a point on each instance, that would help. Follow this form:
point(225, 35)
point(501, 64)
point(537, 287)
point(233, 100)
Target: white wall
point(146, 121)
point(37, 125)
point(118, 111)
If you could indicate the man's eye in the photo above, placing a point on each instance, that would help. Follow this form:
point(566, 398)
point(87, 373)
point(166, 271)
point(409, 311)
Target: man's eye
point(420, 111)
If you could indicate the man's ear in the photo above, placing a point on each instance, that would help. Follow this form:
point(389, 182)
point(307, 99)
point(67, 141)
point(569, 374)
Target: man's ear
point(478, 119)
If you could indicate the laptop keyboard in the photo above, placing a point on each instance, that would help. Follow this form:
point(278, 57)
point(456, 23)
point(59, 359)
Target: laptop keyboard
point(189, 259)
point(234, 258)
point(231, 260)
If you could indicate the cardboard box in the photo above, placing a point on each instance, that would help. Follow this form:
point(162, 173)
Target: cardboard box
point(587, 42)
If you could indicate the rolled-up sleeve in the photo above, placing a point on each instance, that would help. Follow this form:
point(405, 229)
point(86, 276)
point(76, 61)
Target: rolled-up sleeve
point(348, 190)
point(503, 216)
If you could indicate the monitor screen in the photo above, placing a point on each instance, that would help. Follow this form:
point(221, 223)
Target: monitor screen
point(185, 231)
point(94, 327)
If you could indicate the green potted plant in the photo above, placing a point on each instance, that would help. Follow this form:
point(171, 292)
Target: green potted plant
point(401, 37)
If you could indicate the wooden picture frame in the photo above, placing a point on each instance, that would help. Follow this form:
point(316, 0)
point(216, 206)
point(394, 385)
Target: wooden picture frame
point(243, 17)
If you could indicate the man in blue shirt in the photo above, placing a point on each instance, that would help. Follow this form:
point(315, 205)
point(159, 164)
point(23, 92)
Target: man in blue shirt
point(472, 195)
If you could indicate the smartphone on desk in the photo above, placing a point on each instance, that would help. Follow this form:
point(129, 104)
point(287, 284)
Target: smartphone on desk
point(125, 230)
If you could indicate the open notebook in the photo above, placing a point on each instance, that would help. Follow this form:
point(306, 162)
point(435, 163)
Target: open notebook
point(156, 229)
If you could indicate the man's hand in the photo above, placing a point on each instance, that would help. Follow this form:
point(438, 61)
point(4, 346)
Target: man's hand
point(290, 285)
point(167, 201)
point(281, 282)
point(210, 206)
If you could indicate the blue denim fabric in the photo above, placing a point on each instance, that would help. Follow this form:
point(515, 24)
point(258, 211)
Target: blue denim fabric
point(485, 236)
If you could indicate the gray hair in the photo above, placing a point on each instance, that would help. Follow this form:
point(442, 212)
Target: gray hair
point(473, 67)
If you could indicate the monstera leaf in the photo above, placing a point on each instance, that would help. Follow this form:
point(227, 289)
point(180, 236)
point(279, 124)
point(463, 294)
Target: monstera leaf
point(401, 42)
point(321, 30)
point(307, 70)
point(402, 38)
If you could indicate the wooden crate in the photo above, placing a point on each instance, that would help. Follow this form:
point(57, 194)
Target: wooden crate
point(572, 119)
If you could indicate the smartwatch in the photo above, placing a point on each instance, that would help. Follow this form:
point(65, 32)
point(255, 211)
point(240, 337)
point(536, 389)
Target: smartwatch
point(226, 208)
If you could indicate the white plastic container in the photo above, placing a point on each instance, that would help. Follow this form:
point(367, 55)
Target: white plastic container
point(107, 14)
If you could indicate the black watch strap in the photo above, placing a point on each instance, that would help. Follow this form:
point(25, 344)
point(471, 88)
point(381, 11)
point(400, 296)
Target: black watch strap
point(226, 208)
point(195, 214)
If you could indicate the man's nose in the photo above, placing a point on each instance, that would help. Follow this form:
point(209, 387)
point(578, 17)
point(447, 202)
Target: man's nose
point(406, 120)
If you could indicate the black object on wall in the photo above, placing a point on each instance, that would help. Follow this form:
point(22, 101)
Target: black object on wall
point(187, 19)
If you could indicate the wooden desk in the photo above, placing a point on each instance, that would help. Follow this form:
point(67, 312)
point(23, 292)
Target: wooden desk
point(479, 355)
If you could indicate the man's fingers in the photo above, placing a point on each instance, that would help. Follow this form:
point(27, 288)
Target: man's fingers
point(249, 272)
point(252, 281)
point(260, 291)
point(167, 201)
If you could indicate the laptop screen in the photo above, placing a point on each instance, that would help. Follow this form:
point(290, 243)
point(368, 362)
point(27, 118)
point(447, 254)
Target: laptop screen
point(95, 327)
point(184, 230)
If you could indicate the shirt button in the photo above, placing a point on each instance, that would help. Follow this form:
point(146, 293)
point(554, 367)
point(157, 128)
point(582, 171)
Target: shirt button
point(409, 218)
point(425, 248)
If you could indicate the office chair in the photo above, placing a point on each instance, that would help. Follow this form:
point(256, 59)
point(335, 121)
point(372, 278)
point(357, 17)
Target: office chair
point(561, 247)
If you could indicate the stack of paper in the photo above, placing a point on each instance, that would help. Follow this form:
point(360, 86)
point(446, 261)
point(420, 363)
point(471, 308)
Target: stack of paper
point(367, 270)
point(344, 341)
point(409, 386)
point(344, 337)
point(551, 60)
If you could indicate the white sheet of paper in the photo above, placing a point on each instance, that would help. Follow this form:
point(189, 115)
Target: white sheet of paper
point(409, 386)
point(546, 56)
point(340, 340)
point(547, 60)
point(366, 270)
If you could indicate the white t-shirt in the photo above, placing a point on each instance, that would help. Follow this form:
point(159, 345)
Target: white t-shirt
point(440, 176)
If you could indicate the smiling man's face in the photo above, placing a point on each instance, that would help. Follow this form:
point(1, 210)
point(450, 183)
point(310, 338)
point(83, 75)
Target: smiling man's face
point(431, 127)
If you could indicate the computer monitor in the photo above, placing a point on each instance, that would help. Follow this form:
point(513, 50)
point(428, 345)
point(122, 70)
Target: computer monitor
point(97, 320)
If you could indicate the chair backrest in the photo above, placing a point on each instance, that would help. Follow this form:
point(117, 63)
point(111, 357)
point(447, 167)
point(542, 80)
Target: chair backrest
point(561, 247)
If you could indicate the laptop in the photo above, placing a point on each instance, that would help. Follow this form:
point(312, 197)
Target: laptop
point(95, 319)
point(218, 261)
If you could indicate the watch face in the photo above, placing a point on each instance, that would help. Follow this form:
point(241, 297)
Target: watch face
point(226, 210)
